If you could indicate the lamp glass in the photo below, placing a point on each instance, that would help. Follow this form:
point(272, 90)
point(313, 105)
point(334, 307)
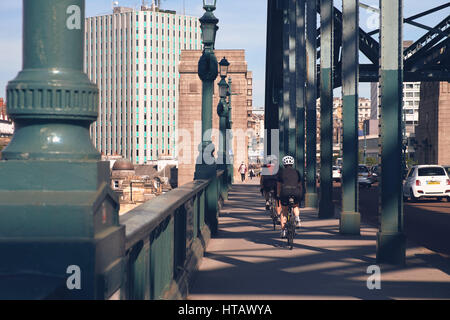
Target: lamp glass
point(208, 33)
point(223, 67)
point(209, 3)
point(223, 91)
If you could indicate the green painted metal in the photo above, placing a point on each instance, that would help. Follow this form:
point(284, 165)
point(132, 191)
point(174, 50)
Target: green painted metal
point(229, 134)
point(391, 240)
point(207, 71)
point(161, 239)
point(311, 197)
point(223, 113)
point(52, 101)
point(291, 72)
point(350, 217)
point(300, 68)
point(285, 105)
point(57, 210)
point(326, 207)
point(161, 258)
point(138, 273)
point(273, 123)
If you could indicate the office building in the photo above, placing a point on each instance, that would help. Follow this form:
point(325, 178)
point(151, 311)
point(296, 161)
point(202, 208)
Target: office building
point(133, 56)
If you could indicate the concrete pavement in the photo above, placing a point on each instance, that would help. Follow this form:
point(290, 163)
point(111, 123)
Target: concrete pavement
point(248, 260)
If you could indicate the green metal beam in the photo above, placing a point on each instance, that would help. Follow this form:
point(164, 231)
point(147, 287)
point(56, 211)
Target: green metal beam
point(292, 73)
point(311, 105)
point(326, 206)
point(285, 105)
point(350, 217)
point(300, 68)
point(391, 240)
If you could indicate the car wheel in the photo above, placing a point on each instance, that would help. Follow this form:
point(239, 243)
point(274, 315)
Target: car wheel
point(405, 198)
point(411, 195)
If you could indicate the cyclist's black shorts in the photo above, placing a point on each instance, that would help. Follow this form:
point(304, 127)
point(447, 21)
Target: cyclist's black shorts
point(287, 193)
point(269, 184)
point(270, 188)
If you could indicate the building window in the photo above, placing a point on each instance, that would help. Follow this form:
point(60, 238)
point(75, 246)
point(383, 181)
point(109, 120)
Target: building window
point(249, 92)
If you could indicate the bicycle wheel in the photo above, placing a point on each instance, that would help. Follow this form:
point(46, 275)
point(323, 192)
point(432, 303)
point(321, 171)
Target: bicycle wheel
point(290, 229)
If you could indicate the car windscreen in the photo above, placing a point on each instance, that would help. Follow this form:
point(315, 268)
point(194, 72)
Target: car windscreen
point(363, 169)
point(431, 171)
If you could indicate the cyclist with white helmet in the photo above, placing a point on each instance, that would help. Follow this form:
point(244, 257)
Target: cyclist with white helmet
point(289, 185)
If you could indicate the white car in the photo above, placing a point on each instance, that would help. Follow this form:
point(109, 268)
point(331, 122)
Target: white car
point(364, 176)
point(426, 181)
point(337, 175)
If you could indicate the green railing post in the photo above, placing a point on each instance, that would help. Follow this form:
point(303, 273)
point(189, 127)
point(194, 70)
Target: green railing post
point(59, 229)
point(391, 240)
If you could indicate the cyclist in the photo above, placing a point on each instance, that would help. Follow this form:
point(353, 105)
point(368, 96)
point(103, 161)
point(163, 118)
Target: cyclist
point(268, 181)
point(289, 185)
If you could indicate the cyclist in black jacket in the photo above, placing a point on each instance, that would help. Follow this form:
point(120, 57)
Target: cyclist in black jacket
point(289, 185)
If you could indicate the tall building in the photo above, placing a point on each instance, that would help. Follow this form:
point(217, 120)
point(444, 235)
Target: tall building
point(190, 113)
point(411, 100)
point(133, 56)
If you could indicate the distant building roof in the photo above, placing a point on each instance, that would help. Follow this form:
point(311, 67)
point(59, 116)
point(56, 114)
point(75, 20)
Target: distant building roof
point(123, 164)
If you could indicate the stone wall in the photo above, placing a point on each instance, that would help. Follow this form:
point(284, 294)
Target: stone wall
point(433, 131)
point(189, 112)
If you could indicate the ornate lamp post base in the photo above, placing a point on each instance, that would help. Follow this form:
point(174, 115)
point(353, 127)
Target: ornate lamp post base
point(54, 215)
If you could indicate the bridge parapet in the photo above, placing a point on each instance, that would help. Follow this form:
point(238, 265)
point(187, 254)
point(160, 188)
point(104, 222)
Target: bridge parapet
point(165, 240)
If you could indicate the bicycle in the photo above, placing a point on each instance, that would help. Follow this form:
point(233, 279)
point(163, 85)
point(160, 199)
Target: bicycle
point(290, 224)
point(272, 210)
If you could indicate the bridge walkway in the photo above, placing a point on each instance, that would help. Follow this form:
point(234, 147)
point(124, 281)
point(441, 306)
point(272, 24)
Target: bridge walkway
point(249, 261)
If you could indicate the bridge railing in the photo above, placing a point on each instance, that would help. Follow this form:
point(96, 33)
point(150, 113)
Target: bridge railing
point(166, 238)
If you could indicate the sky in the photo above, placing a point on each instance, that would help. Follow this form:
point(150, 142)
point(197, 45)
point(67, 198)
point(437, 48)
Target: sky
point(242, 25)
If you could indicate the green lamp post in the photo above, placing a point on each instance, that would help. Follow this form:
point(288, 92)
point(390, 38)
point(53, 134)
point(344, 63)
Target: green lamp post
point(207, 72)
point(60, 236)
point(230, 155)
point(222, 112)
point(205, 168)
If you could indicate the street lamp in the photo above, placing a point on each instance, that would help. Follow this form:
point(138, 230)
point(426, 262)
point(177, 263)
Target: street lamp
point(209, 5)
point(209, 23)
point(207, 72)
point(222, 108)
point(223, 66)
point(223, 85)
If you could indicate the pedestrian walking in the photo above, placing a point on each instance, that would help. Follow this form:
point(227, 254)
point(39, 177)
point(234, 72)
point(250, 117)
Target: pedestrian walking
point(252, 173)
point(242, 170)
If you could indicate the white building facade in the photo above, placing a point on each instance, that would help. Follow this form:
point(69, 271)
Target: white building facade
point(133, 56)
point(411, 101)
